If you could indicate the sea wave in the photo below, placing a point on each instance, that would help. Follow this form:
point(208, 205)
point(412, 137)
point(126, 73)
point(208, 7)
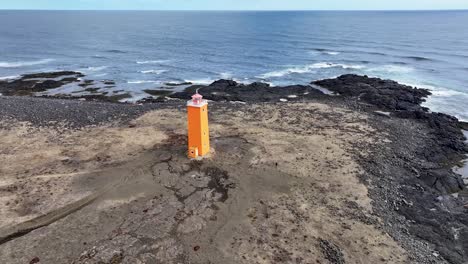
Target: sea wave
point(201, 81)
point(17, 64)
point(154, 71)
point(153, 62)
point(97, 68)
point(141, 81)
point(447, 93)
point(100, 75)
point(443, 99)
point(226, 75)
point(115, 51)
point(438, 91)
point(308, 69)
point(99, 56)
point(324, 51)
point(417, 58)
point(243, 80)
point(392, 69)
point(9, 77)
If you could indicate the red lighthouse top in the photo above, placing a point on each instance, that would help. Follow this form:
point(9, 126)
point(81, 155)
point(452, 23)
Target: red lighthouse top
point(197, 99)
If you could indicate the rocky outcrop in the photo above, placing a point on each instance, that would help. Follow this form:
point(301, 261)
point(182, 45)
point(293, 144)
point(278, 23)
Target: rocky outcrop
point(29, 84)
point(417, 180)
point(229, 90)
point(447, 139)
point(384, 94)
point(51, 75)
point(409, 174)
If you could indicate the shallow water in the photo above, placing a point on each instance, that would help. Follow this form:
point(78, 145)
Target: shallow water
point(141, 50)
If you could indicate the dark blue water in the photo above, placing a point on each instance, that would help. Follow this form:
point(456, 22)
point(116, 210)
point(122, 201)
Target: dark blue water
point(143, 50)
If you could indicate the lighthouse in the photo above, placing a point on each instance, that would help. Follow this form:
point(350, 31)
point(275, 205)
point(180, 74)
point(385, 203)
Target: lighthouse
point(198, 131)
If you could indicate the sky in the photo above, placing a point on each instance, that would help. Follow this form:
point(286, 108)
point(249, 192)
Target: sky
point(234, 4)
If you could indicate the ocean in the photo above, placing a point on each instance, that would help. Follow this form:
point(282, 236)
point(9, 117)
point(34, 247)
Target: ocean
point(145, 49)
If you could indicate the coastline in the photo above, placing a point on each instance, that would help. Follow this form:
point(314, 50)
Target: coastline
point(405, 165)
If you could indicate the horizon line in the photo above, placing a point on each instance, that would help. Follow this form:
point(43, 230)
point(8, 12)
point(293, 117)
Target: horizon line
point(241, 10)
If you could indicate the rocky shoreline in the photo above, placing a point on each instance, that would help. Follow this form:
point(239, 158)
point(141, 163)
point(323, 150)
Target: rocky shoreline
point(413, 186)
point(417, 183)
point(410, 178)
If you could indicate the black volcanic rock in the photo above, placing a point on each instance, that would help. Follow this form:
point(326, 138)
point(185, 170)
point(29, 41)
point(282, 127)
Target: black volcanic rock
point(223, 82)
point(404, 102)
point(228, 90)
point(157, 92)
point(29, 84)
point(385, 94)
point(426, 186)
point(464, 125)
point(51, 75)
point(409, 176)
point(46, 85)
point(177, 84)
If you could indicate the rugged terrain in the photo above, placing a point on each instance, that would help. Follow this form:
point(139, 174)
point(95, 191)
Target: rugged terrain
point(297, 175)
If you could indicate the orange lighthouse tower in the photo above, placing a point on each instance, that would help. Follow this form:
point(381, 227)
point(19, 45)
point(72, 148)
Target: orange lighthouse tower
point(198, 131)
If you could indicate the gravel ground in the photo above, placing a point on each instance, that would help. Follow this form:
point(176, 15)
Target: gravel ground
point(73, 113)
point(409, 177)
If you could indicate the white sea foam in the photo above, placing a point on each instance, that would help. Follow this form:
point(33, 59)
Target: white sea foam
point(100, 75)
point(438, 91)
point(154, 71)
point(391, 69)
point(339, 65)
point(95, 69)
point(141, 81)
point(225, 75)
point(243, 80)
point(448, 93)
point(435, 90)
point(152, 62)
point(324, 52)
point(200, 81)
point(308, 69)
point(9, 77)
point(444, 100)
point(17, 64)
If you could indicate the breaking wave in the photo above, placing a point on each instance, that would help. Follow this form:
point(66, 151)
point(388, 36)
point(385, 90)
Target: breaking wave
point(154, 71)
point(115, 51)
point(95, 69)
point(9, 77)
point(201, 81)
point(417, 58)
point(18, 64)
point(444, 100)
point(308, 69)
point(141, 81)
point(437, 90)
point(324, 51)
point(392, 69)
point(152, 62)
point(226, 75)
